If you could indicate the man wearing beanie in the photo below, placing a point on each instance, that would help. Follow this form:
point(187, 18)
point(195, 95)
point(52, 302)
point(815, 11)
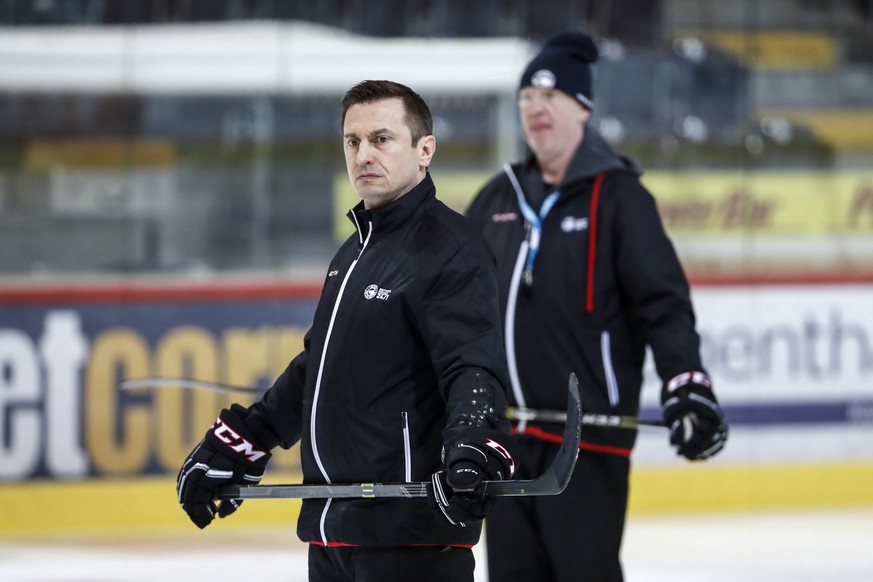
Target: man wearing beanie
point(588, 279)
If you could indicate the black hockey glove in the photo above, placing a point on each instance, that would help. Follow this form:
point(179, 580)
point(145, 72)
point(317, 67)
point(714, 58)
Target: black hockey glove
point(227, 455)
point(697, 426)
point(477, 455)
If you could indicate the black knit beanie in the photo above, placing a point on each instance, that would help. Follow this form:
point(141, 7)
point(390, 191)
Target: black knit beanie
point(564, 63)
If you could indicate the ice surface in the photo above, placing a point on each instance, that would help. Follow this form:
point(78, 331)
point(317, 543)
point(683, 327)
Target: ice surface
point(808, 546)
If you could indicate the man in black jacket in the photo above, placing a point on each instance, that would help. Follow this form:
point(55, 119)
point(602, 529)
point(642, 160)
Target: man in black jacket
point(588, 279)
point(403, 365)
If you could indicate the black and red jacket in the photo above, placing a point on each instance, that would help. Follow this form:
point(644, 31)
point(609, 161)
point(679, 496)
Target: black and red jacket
point(606, 283)
point(405, 352)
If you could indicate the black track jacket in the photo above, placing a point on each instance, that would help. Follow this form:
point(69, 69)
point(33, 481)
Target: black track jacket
point(406, 336)
point(606, 282)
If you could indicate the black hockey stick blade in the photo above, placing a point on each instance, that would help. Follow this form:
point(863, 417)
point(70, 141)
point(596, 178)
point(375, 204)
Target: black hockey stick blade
point(557, 476)
point(552, 482)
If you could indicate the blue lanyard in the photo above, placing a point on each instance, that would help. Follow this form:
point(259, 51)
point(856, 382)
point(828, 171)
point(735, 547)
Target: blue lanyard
point(535, 229)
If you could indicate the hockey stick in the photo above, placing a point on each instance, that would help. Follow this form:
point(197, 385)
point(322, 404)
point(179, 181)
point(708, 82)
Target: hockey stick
point(512, 413)
point(552, 482)
point(589, 419)
point(189, 384)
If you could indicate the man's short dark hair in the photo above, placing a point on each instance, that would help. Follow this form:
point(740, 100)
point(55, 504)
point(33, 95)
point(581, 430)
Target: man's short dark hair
point(418, 117)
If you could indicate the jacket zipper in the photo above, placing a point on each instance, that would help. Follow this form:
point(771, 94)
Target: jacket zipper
point(509, 333)
point(512, 301)
point(312, 421)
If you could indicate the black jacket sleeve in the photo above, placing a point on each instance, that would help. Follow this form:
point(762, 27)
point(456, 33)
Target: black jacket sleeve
point(653, 280)
point(277, 418)
point(461, 325)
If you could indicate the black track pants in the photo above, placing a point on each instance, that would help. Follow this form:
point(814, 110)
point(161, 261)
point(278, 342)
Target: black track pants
point(421, 564)
point(571, 537)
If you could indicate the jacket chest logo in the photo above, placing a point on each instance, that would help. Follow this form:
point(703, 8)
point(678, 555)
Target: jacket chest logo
point(573, 224)
point(376, 292)
point(504, 217)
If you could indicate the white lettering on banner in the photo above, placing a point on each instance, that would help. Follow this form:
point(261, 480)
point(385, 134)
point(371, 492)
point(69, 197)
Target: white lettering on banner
point(47, 423)
point(813, 347)
point(64, 351)
point(784, 343)
point(20, 439)
point(62, 416)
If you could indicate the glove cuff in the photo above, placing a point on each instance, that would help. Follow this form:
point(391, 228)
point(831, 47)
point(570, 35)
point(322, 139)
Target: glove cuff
point(230, 434)
point(693, 381)
point(480, 446)
point(257, 426)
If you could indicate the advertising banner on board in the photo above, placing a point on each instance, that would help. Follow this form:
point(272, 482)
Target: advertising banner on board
point(792, 366)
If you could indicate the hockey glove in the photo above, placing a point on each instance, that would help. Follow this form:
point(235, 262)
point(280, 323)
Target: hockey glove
point(697, 425)
point(476, 456)
point(227, 455)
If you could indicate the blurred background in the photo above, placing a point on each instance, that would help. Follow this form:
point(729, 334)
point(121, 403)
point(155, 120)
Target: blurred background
point(200, 136)
point(172, 187)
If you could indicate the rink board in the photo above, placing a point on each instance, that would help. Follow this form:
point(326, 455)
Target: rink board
point(48, 508)
point(792, 365)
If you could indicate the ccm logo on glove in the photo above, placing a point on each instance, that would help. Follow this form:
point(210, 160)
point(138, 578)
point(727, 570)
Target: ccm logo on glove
point(237, 443)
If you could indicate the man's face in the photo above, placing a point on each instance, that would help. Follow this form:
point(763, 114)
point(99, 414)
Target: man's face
point(381, 160)
point(553, 122)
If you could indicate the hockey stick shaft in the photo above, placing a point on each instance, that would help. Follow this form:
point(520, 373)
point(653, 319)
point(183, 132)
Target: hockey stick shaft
point(157, 382)
point(588, 419)
point(552, 482)
point(512, 413)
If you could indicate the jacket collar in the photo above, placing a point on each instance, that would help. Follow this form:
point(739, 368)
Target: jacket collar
point(397, 213)
point(593, 156)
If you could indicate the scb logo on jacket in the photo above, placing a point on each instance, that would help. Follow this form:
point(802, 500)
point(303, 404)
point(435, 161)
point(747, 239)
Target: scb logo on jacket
point(374, 291)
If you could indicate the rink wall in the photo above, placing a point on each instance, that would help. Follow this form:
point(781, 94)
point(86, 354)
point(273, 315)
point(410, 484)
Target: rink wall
point(792, 362)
